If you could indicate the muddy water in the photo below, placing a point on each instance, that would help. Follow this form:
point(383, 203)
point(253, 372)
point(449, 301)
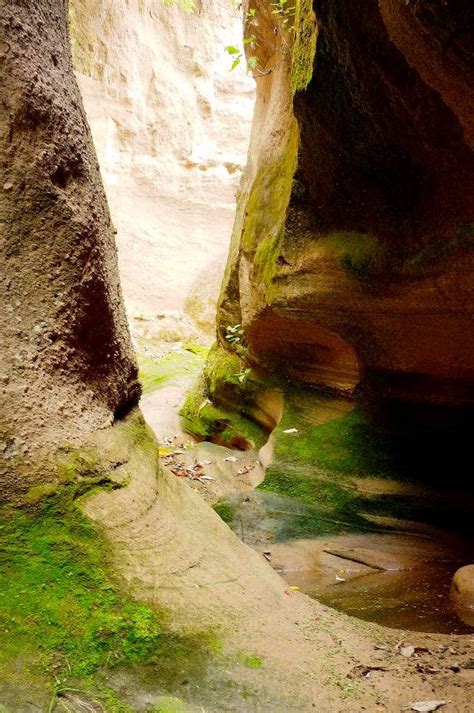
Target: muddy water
point(415, 599)
point(361, 536)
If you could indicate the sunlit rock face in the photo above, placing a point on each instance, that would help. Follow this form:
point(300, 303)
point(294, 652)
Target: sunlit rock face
point(171, 126)
point(359, 272)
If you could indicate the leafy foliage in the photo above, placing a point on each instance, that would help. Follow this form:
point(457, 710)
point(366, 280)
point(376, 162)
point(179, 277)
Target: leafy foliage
point(285, 13)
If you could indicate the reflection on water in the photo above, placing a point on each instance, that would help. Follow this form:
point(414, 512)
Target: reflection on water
point(416, 599)
point(413, 595)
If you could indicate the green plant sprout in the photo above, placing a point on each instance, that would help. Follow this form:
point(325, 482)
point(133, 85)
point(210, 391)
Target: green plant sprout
point(286, 14)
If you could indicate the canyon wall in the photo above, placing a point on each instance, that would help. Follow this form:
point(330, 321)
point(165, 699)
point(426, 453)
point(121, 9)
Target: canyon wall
point(171, 127)
point(355, 271)
point(67, 363)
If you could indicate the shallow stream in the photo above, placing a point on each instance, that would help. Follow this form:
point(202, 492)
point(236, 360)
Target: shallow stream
point(364, 523)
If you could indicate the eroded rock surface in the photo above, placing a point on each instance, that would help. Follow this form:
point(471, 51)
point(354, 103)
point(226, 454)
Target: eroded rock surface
point(462, 593)
point(367, 276)
point(67, 361)
point(171, 126)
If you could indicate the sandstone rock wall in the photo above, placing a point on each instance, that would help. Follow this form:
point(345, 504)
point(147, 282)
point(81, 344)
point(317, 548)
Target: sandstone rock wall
point(366, 278)
point(67, 362)
point(171, 127)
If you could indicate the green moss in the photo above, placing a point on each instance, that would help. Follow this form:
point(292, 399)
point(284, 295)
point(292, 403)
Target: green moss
point(204, 419)
point(169, 704)
point(156, 373)
point(266, 209)
point(319, 471)
point(63, 616)
point(360, 254)
point(347, 445)
point(226, 510)
point(219, 404)
point(222, 367)
point(304, 48)
point(249, 660)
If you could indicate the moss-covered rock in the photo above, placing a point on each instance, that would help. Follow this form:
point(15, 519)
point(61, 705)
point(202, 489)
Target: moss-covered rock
point(223, 404)
point(156, 373)
point(65, 618)
point(304, 46)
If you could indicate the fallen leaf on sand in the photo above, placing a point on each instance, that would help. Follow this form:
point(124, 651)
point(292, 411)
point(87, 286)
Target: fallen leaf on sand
point(245, 469)
point(365, 671)
point(426, 706)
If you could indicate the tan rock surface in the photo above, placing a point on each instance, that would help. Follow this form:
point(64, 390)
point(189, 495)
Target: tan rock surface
point(366, 276)
point(67, 361)
point(462, 593)
point(171, 128)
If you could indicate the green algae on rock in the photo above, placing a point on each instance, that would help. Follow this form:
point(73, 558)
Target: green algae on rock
point(222, 405)
point(154, 373)
point(65, 615)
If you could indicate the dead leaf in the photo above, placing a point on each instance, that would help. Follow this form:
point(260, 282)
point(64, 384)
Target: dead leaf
point(245, 469)
point(426, 706)
point(365, 671)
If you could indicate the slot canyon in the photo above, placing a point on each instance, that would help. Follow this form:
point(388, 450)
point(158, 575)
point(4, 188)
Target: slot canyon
point(237, 257)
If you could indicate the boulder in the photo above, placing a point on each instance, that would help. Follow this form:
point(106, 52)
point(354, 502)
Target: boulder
point(462, 593)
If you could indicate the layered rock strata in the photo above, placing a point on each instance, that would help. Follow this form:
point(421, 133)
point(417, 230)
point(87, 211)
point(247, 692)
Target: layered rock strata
point(171, 126)
point(356, 271)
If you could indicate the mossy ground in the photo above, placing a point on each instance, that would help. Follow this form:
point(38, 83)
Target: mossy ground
point(226, 510)
point(156, 373)
point(318, 466)
point(65, 620)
